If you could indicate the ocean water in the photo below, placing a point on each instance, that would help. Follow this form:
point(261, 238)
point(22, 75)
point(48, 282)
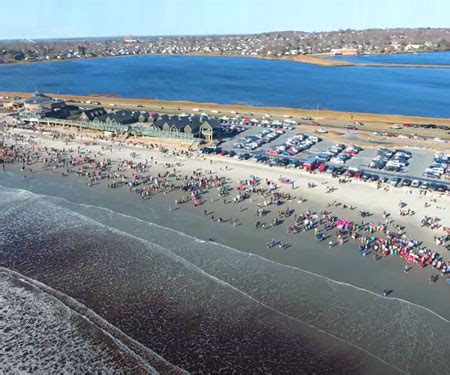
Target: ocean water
point(426, 58)
point(228, 80)
point(41, 335)
point(191, 318)
point(207, 307)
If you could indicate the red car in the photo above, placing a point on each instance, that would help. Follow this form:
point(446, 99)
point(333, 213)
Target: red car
point(323, 167)
point(350, 173)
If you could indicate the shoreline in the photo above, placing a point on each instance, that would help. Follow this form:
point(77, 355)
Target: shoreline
point(312, 59)
point(234, 169)
point(341, 264)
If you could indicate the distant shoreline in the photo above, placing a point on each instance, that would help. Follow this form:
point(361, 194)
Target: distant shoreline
point(248, 110)
point(312, 59)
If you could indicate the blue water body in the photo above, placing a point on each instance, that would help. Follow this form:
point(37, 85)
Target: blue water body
point(228, 80)
point(426, 58)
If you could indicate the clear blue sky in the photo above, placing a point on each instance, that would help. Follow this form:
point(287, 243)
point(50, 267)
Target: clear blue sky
point(80, 18)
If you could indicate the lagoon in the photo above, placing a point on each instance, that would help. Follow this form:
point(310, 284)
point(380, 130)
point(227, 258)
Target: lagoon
point(422, 58)
point(251, 81)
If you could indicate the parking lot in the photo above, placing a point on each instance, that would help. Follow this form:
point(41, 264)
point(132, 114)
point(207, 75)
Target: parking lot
point(418, 163)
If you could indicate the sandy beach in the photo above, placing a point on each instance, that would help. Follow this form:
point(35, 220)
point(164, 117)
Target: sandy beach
point(218, 234)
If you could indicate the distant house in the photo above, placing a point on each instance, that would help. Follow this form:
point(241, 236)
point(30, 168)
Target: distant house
point(412, 47)
point(15, 103)
point(123, 117)
point(197, 126)
point(39, 102)
point(209, 129)
point(145, 117)
point(160, 121)
point(89, 114)
point(69, 111)
point(345, 51)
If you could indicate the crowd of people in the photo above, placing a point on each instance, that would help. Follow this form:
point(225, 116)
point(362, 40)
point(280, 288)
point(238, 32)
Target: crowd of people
point(382, 239)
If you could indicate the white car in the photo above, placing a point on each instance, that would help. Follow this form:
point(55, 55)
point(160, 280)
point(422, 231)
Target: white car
point(337, 161)
point(442, 155)
point(436, 170)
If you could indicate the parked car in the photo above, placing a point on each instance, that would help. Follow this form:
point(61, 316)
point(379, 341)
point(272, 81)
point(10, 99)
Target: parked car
point(323, 167)
point(394, 181)
point(206, 150)
point(337, 161)
point(406, 182)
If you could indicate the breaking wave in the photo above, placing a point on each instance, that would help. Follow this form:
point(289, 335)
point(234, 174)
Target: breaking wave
point(340, 310)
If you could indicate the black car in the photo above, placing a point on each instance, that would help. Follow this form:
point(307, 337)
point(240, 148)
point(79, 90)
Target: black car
point(232, 153)
point(262, 159)
point(331, 169)
point(295, 163)
point(281, 162)
point(406, 182)
point(433, 186)
point(324, 157)
point(206, 150)
point(340, 170)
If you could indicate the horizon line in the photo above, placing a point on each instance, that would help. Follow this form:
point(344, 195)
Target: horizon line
point(111, 37)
